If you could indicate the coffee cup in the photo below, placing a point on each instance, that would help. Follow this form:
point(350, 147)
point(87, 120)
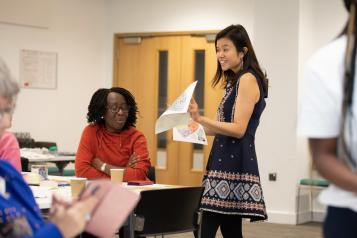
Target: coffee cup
point(117, 175)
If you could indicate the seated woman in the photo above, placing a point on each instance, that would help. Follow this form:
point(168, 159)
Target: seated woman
point(111, 139)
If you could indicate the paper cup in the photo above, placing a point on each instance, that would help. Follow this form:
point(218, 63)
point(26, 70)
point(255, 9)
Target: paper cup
point(40, 169)
point(117, 175)
point(77, 185)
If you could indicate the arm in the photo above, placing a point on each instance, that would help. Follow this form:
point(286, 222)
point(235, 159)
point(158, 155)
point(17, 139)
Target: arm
point(248, 96)
point(324, 155)
point(10, 150)
point(84, 157)
point(139, 164)
point(209, 131)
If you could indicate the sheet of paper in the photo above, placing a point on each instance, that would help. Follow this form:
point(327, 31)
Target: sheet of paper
point(177, 113)
point(192, 132)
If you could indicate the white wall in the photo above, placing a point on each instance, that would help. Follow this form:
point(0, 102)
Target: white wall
point(77, 32)
point(284, 33)
point(276, 42)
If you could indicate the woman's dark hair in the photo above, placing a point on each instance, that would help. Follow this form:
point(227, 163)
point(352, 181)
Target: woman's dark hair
point(350, 71)
point(98, 106)
point(239, 36)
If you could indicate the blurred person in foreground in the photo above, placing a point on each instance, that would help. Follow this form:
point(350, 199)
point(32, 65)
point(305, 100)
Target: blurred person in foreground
point(328, 117)
point(20, 215)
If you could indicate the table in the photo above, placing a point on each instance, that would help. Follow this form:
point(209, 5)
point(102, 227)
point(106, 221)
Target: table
point(43, 195)
point(178, 205)
point(61, 161)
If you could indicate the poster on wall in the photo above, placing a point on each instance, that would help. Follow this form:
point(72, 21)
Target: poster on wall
point(38, 69)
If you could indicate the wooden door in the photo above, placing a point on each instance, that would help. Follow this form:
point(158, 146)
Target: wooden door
point(140, 68)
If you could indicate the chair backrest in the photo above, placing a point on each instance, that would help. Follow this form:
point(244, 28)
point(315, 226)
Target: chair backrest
point(151, 174)
point(25, 164)
point(167, 211)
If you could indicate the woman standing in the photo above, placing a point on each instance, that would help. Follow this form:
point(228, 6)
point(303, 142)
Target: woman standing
point(232, 183)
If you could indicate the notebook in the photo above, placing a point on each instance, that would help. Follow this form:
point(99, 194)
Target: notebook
point(114, 206)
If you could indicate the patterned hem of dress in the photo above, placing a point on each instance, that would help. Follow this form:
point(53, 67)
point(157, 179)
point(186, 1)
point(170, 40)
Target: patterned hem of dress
point(254, 217)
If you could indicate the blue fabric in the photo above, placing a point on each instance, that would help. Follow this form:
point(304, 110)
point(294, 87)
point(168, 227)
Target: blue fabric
point(232, 182)
point(20, 215)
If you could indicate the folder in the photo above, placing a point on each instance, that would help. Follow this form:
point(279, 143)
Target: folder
point(115, 203)
point(140, 182)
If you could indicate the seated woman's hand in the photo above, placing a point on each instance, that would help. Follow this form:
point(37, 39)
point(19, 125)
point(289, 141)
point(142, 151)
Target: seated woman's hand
point(72, 218)
point(134, 158)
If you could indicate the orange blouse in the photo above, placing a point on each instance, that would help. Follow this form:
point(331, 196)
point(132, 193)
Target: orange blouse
point(114, 149)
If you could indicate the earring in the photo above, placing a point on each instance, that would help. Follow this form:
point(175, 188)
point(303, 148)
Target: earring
point(102, 117)
point(241, 64)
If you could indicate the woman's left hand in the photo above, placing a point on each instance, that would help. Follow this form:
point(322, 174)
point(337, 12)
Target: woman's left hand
point(134, 158)
point(194, 110)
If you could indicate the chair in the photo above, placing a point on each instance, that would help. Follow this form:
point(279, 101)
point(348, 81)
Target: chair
point(311, 185)
point(151, 174)
point(25, 164)
point(178, 212)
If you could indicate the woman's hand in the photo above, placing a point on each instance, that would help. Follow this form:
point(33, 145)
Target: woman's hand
point(71, 219)
point(194, 110)
point(97, 163)
point(134, 158)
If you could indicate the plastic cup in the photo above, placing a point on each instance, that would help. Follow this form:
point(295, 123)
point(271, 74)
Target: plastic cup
point(40, 169)
point(77, 185)
point(117, 175)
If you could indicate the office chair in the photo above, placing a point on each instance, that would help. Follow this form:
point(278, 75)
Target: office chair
point(151, 174)
point(167, 211)
point(25, 164)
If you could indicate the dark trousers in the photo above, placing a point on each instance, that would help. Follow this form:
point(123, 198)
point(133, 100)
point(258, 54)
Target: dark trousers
point(340, 222)
point(231, 225)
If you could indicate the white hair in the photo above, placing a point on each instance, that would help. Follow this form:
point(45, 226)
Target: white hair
point(8, 87)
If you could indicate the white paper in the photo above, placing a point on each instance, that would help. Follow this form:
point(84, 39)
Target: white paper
point(193, 132)
point(177, 113)
point(177, 117)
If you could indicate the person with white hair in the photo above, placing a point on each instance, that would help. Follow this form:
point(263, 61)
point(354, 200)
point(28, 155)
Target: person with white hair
point(19, 213)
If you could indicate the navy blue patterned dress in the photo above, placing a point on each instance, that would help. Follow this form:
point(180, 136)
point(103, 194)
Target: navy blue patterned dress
point(231, 181)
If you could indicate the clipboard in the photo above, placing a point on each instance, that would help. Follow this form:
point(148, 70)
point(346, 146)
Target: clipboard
point(115, 204)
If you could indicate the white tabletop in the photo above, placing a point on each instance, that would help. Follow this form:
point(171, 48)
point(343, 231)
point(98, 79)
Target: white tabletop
point(43, 193)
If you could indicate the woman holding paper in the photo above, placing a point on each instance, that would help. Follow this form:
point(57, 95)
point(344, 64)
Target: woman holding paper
point(111, 140)
point(232, 183)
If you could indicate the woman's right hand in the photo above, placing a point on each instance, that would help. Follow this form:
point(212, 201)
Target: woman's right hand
point(194, 110)
point(72, 219)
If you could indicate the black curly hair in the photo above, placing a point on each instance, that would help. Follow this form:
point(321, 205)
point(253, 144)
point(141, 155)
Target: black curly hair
point(98, 106)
